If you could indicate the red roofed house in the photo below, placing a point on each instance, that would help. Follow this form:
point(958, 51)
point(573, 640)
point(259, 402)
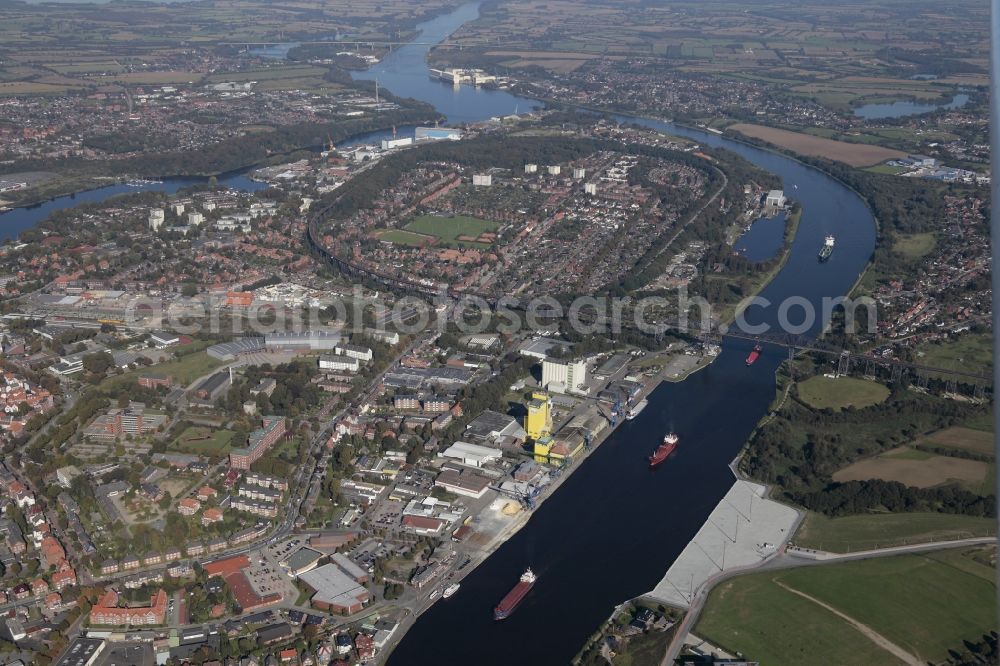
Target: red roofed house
point(365, 645)
point(211, 515)
point(63, 578)
point(108, 612)
point(188, 506)
point(52, 552)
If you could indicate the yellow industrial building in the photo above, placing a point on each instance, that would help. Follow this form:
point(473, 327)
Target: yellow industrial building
point(538, 423)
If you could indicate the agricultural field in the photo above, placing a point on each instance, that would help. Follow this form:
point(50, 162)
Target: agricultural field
point(269, 74)
point(822, 392)
point(911, 608)
point(961, 439)
point(460, 231)
point(203, 441)
point(917, 468)
point(847, 534)
point(853, 154)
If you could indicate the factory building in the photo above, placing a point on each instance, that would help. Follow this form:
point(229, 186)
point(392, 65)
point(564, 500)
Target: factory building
point(538, 422)
point(563, 376)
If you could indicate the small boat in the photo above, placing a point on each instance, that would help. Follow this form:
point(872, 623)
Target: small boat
point(670, 442)
point(450, 590)
point(435, 594)
point(635, 409)
point(754, 355)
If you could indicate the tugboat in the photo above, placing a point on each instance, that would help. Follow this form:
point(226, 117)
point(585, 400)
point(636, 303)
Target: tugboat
point(754, 355)
point(670, 441)
point(827, 249)
point(515, 596)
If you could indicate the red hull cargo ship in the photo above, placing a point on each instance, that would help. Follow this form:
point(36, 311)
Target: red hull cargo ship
point(515, 596)
point(670, 441)
point(754, 355)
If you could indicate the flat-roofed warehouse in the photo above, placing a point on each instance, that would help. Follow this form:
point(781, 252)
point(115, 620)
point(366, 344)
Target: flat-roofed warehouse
point(82, 652)
point(312, 340)
point(303, 561)
point(230, 351)
point(473, 455)
point(463, 482)
point(335, 591)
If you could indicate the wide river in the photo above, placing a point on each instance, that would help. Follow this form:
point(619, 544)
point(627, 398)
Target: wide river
point(614, 527)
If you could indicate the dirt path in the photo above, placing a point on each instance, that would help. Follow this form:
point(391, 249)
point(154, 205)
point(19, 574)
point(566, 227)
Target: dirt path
point(869, 633)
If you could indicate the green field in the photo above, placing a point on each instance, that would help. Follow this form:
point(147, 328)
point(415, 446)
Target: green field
point(401, 237)
point(828, 393)
point(448, 229)
point(971, 352)
point(202, 440)
point(188, 368)
point(914, 246)
point(925, 604)
point(884, 530)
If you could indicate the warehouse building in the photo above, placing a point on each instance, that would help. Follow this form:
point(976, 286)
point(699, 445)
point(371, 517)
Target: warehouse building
point(335, 591)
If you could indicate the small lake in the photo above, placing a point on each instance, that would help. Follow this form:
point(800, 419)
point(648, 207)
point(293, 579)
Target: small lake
point(903, 108)
point(764, 238)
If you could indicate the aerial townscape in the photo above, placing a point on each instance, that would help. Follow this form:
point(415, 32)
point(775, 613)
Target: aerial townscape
point(606, 332)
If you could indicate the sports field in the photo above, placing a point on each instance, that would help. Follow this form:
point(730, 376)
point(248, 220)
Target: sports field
point(885, 530)
point(202, 440)
point(461, 230)
point(854, 154)
point(828, 393)
point(877, 611)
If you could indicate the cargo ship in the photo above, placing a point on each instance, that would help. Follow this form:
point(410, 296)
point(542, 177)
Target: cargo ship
point(635, 409)
point(827, 249)
point(450, 590)
point(515, 596)
point(753, 355)
point(670, 441)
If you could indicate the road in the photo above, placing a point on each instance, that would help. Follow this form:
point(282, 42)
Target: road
point(791, 559)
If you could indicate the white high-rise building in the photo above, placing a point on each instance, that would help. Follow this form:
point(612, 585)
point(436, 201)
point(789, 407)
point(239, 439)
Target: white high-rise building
point(563, 376)
point(195, 219)
point(530, 168)
point(156, 219)
point(482, 179)
point(579, 173)
point(590, 188)
point(555, 170)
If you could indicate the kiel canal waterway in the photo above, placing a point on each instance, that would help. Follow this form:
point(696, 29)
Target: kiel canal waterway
point(613, 528)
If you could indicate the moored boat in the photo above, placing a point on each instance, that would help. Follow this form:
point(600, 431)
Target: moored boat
point(450, 590)
point(634, 410)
